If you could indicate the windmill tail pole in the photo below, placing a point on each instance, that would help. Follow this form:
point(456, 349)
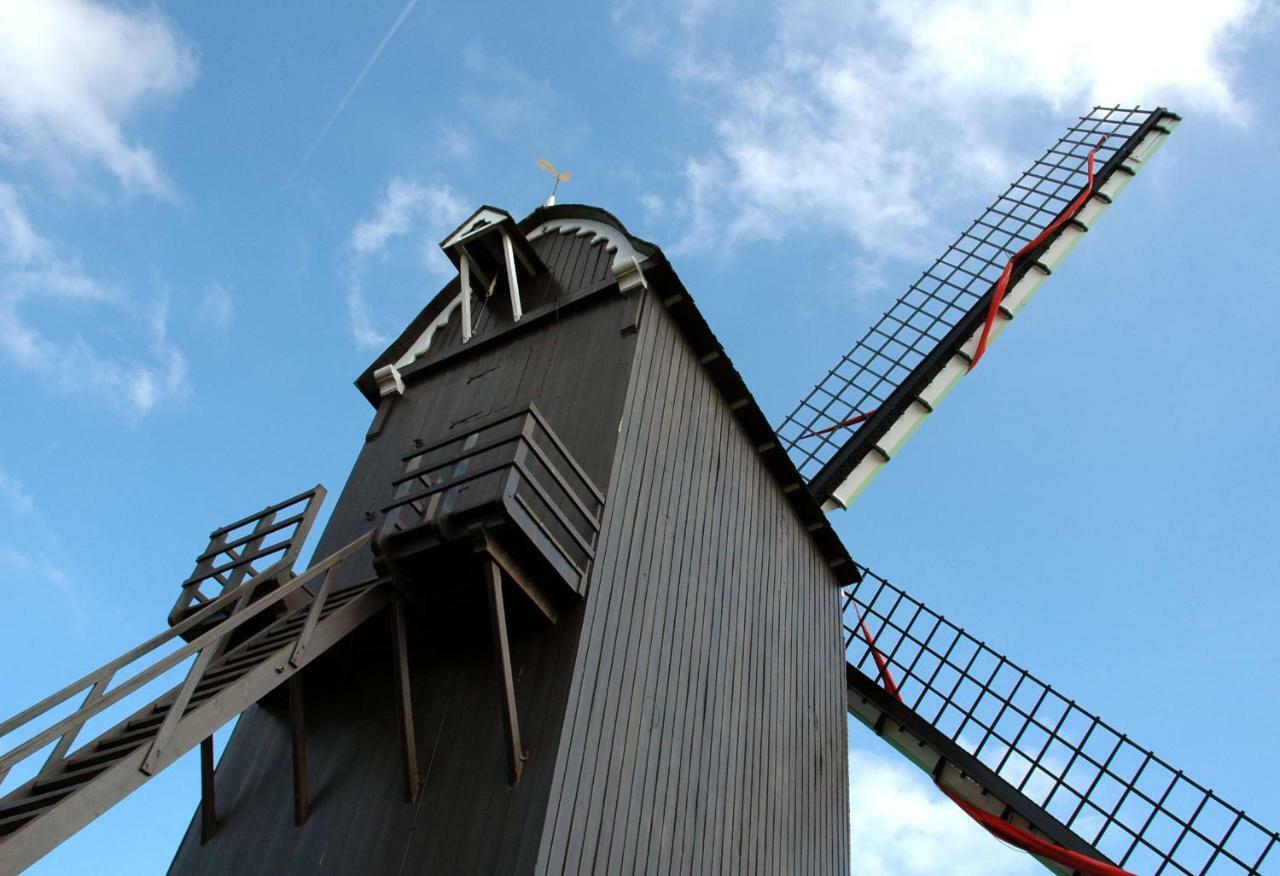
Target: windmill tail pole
point(997, 827)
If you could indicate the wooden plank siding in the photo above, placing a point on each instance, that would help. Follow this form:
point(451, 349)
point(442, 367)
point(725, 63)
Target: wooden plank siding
point(688, 716)
point(705, 731)
point(468, 819)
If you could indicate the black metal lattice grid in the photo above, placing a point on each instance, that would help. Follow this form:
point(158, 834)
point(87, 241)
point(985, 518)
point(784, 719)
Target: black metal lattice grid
point(953, 285)
point(1125, 801)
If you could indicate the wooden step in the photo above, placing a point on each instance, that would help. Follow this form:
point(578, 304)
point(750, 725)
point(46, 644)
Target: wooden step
point(31, 802)
point(67, 778)
point(97, 758)
point(11, 823)
point(127, 737)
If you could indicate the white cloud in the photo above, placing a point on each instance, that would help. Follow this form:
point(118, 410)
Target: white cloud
point(456, 143)
point(19, 242)
point(411, 217)
point(47, 574)
point(872, 122)
point(72, 74)
point(900, 825)
point(32, 562)
point(507, 101)
point(216, 308)
point(14, 494)
point(1055, 51)
point(131, 375)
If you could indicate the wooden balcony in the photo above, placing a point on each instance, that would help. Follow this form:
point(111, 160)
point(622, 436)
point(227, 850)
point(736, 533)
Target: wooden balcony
point(509, 482)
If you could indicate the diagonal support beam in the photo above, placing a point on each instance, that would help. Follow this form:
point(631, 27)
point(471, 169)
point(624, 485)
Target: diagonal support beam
point(208, 805)
point(516, 754)
point(404, 701)
point(298, 742)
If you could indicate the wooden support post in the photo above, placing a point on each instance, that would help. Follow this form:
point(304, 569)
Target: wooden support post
point(502, 653)
point(404, 701)
point(297, 733)
point(464, 281)
point(208, 808)
point(513, 281)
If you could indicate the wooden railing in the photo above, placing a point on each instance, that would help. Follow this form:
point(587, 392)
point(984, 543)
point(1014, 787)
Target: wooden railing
point(240, 606)
point(262, 545)
point(516, 463)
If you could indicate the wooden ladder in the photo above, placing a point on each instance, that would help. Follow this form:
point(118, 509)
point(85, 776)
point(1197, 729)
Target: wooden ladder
point(226, 676)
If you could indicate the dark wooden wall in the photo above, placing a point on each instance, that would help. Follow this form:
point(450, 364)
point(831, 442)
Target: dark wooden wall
point(706, 727)
point(575, 366)
point(687, 717)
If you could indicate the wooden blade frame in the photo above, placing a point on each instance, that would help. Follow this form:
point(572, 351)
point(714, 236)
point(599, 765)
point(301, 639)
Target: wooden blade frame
point(908, 361)
point(1007, 742)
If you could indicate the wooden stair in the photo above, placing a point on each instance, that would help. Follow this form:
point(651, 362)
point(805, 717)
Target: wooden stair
point(71, 790)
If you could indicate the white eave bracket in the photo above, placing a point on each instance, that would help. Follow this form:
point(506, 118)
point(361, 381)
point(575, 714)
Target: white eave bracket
point(389, 381)
point(629, 276)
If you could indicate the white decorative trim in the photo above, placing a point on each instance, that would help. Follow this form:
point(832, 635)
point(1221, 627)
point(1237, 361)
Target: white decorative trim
point(616, 243)
point(486, 216)
point(420, 347)
point(389, 381)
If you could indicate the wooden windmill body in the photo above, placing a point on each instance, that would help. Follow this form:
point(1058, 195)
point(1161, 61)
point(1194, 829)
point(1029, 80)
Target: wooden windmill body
point(579, 609)
point(674, 658)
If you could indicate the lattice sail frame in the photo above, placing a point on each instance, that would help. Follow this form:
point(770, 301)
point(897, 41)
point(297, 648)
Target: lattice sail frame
point(910, 359)
point(1119, 798)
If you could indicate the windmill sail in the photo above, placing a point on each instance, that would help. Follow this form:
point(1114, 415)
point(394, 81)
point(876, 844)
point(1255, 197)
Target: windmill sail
point(1006, 742)
point(864, 409)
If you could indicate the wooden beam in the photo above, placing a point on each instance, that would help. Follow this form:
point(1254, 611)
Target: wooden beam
point(513, 281)
point(502, 654)
point(464, 279)
point(404, 701)
point(526, 584)
point(297, 734)
point(208, 808)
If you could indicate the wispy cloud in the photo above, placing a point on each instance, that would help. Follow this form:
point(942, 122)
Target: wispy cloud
point(352, 89)
point(900, 825)
point(32, 564)
point(73, 72)
point(395, 246)
point(507, 101)
point(871, 122)
point(133, 365)
point(216, 307)
point(14, 495)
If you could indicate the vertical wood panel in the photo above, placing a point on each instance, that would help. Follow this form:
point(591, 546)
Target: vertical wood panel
point(688, 717)
point(705, 730)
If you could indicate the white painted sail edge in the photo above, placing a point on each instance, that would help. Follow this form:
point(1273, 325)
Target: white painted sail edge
point(1015, 299)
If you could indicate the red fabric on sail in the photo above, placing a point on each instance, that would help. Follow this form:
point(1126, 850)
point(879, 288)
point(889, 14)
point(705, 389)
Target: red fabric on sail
point(1002, 284)
point(997, 827)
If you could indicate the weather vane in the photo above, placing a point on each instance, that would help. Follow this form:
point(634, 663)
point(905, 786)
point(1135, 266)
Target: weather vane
point(560, 177)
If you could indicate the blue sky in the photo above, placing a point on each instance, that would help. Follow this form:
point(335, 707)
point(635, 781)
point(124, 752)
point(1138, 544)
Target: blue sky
point(211, 216)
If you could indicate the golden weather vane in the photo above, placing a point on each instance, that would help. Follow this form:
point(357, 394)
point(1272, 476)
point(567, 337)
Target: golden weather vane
point(560, 177)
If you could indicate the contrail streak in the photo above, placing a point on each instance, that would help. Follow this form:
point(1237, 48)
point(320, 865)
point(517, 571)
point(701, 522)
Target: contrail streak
point(346, 98)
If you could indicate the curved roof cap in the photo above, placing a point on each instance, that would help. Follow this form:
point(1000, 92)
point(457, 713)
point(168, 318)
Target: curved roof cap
point(587, 221)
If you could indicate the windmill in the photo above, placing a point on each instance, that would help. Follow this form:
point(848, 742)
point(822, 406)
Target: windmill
point(579, 606)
